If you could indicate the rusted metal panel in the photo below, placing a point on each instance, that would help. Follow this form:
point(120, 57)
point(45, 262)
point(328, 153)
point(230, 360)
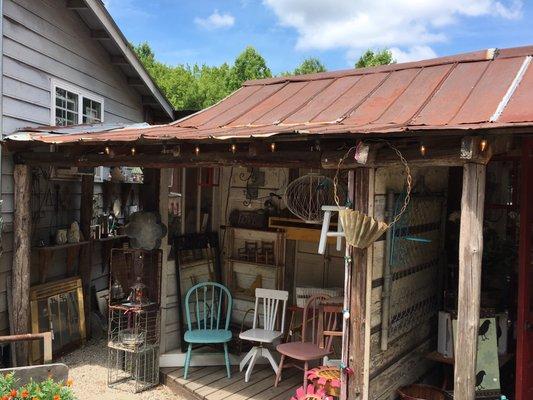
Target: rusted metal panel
point(236, 98)
point(460, 92)
point(273, 101)
point(351, 98)
point(293, 103)
point(484, 99)
point(375, 105)
point(415, 96)
point(326, 98)
point(230, 114)
point(519, 108)
point(452, 94)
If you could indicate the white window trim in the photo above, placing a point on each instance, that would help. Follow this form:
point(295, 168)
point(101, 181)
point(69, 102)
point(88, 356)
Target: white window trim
point(82, 93)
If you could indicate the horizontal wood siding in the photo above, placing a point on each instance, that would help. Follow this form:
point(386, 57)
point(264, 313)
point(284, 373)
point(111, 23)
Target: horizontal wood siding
point(43, 40)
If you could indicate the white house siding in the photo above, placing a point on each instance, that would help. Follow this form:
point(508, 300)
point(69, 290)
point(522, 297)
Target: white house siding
point(43, 40)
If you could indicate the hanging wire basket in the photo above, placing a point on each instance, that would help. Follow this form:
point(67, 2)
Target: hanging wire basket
point(306, 195)
point(360, 229)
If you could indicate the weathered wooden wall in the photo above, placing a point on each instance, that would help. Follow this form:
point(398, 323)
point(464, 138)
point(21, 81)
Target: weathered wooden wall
point(43, 40)
point(403, 362)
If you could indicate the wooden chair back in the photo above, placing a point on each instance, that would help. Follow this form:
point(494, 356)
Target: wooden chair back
point(271, 300)
point(211, 306)
point(316, 320)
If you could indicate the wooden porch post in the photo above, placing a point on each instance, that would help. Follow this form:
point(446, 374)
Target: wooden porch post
point(85, 263)
point(20, 279)
point(357, 295)
point(470, 253)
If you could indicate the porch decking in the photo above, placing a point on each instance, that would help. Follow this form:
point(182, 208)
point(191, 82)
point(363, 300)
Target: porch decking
point(211, 383)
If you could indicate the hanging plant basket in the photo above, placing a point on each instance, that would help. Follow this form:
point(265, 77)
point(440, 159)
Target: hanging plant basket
point(360, 229)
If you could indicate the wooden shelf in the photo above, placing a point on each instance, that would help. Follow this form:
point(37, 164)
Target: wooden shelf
point(65, 246)
point(110, 238)
point(258, 264)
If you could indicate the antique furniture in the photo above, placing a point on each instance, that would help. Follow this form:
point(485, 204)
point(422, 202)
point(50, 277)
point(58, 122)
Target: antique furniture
point(313, 346)
point(271, 300)
point(208, 319)
point(58, 307)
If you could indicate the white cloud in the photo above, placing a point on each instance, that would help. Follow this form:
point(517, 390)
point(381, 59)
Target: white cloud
point(216, 21)
point(413, 53)
point(408, 27)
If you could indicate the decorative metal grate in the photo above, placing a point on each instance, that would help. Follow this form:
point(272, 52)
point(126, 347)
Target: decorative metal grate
point(415, 253)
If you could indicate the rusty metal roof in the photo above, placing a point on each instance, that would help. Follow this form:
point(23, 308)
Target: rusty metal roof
point(479, 90)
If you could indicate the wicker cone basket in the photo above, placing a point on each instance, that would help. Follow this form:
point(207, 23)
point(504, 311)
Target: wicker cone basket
point(360, 229)
point(421, 392)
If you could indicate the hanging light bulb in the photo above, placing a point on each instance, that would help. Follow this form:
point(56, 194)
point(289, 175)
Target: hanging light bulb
point(197, 150)
point(133, 151)
point(273, 147)
point(423, 149)
point(483, 144)
point(107, 150)
point(233, 148)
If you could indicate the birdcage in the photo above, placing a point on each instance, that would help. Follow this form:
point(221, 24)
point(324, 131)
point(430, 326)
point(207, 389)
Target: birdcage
point(133, 371)
point(306, 195)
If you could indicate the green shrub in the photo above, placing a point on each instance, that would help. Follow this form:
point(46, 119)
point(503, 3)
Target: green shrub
point(45, 390)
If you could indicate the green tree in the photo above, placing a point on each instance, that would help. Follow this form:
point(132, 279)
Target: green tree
point(248, 65)
point(371, 58)
point(310, 65)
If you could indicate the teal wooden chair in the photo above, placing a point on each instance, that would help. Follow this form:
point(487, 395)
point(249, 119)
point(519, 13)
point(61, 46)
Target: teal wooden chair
point(205, 321)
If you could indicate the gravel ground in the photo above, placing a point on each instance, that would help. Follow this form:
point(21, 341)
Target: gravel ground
point(87, 368)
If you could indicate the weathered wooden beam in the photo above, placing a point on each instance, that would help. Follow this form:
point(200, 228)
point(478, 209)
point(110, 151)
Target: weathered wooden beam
point(100, 34)
point(358, 317)
point(76, 5)
point(469, 292)
point(207, 159)
point(20, 279)
point(438, 153)
point(135, 81)
point(119, 60)
point(85, 262)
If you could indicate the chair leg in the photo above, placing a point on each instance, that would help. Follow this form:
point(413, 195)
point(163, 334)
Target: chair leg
point(280, 368)
point(226, 357)
point(252, 363)
point(187, 361)
point(268, 355)
point(246, 358)
point(306, 366)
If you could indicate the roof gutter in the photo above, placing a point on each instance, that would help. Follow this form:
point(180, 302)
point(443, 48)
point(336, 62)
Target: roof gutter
point(98, 9)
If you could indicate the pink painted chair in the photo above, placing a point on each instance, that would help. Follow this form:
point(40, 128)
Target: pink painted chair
point(314, 344)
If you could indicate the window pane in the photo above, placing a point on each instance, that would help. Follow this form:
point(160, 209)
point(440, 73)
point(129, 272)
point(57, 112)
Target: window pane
point(66, 111)
point(92, 111)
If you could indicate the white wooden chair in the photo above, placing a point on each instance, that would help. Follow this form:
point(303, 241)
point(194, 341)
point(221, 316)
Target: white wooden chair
point(267, 334)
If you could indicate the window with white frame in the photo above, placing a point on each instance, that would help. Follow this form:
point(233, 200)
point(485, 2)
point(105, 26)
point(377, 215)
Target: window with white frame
point(73, 106)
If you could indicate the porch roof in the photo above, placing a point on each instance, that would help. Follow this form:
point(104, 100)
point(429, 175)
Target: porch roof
point(478, 90)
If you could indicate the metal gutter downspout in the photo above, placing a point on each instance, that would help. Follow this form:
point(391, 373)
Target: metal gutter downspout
point(387, 277)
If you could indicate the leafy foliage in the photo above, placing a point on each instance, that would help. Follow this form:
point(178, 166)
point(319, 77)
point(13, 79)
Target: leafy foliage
point(371, 58)
point(200, 86)
point(46, 390)
point(248, 65)
point(310, 65)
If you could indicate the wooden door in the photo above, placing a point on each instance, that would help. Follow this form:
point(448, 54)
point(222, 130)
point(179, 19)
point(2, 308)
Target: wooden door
point(524, 351)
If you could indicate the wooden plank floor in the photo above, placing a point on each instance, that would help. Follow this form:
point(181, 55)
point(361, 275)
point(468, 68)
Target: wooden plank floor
point(211, 383)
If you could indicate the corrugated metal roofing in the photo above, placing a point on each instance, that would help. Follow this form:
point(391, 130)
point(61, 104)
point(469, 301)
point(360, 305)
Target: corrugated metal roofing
point(483, 89)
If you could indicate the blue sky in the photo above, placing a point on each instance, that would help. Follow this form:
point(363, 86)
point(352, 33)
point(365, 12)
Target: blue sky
point(336, 31)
